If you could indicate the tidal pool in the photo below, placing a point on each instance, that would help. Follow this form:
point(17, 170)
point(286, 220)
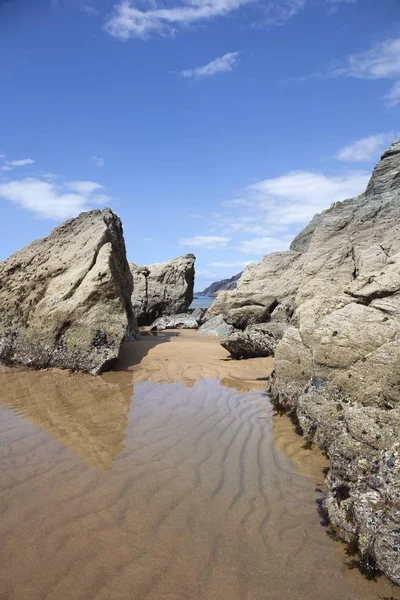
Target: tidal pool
point(175, 493)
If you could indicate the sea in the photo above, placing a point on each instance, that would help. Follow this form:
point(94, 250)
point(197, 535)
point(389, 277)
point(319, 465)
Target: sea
point(202, 301)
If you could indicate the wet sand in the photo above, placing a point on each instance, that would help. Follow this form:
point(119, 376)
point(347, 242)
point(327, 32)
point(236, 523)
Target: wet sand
point(188, 490)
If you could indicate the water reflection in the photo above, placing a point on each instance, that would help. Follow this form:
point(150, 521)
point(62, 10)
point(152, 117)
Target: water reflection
point(82, 412)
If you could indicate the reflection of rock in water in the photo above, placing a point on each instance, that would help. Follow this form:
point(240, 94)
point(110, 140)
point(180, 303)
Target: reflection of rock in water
point(80, 411)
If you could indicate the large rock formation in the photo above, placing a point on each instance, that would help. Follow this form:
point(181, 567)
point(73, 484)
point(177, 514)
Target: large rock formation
point(338, 364)
point(260, 289)
point(66, 299)
point(218, 286)
point(163, 288)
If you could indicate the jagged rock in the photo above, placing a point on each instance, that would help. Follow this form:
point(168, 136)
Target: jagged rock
point(255, 341)
point(260, 289)
point(183, 321)
point(338, 365)
point(241, 317)
point(198, 314)
point(163, 288)
point(216, 326)
point(66, 299)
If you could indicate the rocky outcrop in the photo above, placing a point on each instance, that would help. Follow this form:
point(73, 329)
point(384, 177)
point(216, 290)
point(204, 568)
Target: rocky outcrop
point(260, 289)
point(255, 341)
point(66, 299)
point(182, 321)
point(163, 288)
point(198, 315)
point(338, 364)
point(216, 326)
point(219, 286)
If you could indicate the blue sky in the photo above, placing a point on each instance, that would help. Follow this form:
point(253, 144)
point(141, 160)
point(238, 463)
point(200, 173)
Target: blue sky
point(217, 127)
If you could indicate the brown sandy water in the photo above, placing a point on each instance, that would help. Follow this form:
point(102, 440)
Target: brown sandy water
point(187, 490)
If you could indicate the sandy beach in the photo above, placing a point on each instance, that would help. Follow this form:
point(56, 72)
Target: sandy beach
point(167, 478)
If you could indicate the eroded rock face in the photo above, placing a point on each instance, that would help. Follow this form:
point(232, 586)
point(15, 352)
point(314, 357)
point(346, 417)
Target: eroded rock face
point(163, 288)
point(338, 365)
point(260, 289)
point(66, 299)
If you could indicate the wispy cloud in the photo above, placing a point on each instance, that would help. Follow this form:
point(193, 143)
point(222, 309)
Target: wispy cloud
point(223, 64)
point(208, 242)
point(296, 196)
point(334, 5)
point(264, 245)
point(229, 265)
point(83, 187)
point(270, 212)
point(392, 98)
point(382, 61)
point(3, 155)
point(280, 11)
point(98, 161)
point(129, 21)
point(20, 163)
point(50, 200)
point(5, 168)
point(89, 9)
point(367, 148)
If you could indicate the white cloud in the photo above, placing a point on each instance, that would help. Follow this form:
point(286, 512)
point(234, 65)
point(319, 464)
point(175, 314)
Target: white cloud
point(229, 265)
point(5, 168)
point(208, 242)
point(392, 98)
point(98, 161)
point(296, 196)
point(264, 245)
point(223, 64)
point(367, 148)
point(48, 199)
point(282, 10)
point(83, 187)
point(90, 10)
point(273, 210)
point(129, 21)
point(380, 62)
point(2, 155)
point(20, 163)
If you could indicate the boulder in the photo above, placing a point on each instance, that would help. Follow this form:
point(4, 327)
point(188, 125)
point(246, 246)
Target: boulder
point(183, 321)
point(255, 341)
point(216, 326)
point(163, 288)
point(66, 299)
point(198, 314)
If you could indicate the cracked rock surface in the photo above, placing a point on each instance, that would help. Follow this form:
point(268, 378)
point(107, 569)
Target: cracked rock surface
point(66, 298)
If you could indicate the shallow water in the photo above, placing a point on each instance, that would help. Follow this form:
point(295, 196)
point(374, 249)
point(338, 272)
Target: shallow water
point(179, 493)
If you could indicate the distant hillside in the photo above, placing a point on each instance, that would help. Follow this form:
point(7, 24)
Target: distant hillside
point(219, 286)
